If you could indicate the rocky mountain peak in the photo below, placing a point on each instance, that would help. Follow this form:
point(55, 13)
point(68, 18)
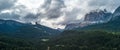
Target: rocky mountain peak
point(93, 17)
point(97, 16)
point(116, 13)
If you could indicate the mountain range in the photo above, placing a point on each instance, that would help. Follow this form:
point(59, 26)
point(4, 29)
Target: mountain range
point(94, 20)
point(98, 19)
point(25, 30)
point(100, 30)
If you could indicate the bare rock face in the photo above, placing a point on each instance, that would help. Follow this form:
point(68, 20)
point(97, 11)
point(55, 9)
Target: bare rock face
point(72, 26)
point(97, 16)
point(93, 17)
point(116, 13)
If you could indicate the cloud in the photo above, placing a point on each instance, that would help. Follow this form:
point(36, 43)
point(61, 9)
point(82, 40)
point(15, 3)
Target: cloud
point(6, 4)
point(76, 9)
point(52, 13)
point(110, 5)
point(53, 8)
point(9, 16)
point(31, 18)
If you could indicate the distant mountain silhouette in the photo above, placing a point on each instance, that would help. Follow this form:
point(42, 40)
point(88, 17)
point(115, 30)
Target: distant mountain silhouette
point(23, 30)
point(101, 20)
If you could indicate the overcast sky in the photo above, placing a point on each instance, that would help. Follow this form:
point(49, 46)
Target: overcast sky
point(52, 13)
